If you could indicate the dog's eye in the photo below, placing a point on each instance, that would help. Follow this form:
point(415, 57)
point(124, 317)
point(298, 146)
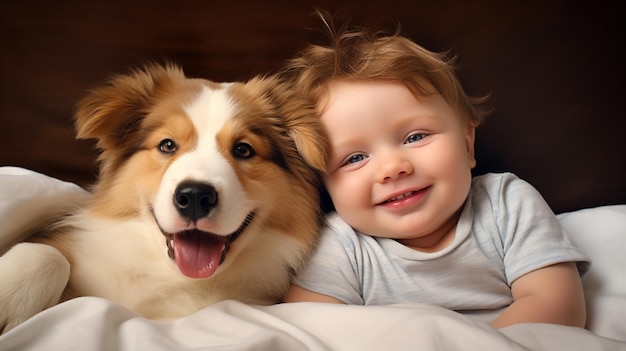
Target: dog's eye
point(168, 146)
point(243, 150)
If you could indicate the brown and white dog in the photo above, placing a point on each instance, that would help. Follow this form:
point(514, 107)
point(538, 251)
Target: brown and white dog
point(207, 191)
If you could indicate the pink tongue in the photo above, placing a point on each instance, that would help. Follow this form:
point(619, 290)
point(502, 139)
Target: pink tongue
point(198, 254)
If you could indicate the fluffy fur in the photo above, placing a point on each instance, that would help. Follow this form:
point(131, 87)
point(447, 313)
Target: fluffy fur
point(207, 191)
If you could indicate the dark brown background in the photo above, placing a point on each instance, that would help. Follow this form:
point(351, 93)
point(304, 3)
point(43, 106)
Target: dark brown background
point(555, 69)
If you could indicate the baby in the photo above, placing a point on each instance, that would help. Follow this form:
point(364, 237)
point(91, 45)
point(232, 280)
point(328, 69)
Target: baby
point(411, 224)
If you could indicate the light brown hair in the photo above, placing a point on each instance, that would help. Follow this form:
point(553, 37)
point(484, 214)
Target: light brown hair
point(362, 55)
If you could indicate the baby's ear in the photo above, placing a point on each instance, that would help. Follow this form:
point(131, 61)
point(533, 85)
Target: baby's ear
point(470, 136)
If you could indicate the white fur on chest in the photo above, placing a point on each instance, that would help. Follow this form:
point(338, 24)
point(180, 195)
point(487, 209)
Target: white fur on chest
point(125, 261)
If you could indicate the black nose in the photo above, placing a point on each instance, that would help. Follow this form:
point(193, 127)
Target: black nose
point(194, 200)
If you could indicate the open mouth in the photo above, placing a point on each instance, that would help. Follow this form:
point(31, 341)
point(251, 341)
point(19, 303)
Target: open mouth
point(197, 253)
point(399, 197)
point(405, 199)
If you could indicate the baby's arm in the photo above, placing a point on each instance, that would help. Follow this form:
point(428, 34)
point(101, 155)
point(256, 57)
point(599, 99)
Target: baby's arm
point(553, 294)
point(299, 294)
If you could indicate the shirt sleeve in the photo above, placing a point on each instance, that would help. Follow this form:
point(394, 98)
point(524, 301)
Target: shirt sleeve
point(532, 236)
point(332, 268)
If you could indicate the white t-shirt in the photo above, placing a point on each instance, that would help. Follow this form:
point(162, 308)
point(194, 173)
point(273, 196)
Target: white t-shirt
point(506, 230)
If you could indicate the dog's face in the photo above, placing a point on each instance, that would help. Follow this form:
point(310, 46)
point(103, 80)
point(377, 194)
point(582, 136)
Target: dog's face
point(211, 164)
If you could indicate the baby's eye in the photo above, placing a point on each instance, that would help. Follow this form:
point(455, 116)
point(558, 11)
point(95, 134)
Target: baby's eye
point(413, 138)
point(354, 159)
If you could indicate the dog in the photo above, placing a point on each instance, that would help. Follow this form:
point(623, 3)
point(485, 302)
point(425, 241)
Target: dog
point(206, 191)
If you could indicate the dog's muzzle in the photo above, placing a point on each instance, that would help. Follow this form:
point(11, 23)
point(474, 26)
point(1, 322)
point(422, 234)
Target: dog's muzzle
point(194, 200)
point(198, 253)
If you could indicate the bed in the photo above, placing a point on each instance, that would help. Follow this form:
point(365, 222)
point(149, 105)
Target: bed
point(555, 73)
point(90, 323)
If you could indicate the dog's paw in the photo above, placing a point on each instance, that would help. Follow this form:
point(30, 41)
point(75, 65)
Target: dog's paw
point(32, 278)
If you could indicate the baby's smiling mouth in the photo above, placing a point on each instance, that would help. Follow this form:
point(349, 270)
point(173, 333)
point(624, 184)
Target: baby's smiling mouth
point(405, 198)
point(399, 197)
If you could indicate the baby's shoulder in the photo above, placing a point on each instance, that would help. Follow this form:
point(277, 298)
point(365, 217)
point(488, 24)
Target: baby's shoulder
point(498, 187)
point(490, 180)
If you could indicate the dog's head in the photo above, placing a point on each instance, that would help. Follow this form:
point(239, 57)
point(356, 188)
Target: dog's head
point(207, 162)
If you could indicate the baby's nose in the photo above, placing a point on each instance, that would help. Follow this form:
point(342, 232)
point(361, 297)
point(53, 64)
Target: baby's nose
point(394, 166)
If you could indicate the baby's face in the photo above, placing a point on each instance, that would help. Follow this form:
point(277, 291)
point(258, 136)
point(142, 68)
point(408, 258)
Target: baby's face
point(400, 166)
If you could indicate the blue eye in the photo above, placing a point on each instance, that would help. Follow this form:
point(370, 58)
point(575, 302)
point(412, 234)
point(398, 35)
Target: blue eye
point(355, 159)
point(413, 138)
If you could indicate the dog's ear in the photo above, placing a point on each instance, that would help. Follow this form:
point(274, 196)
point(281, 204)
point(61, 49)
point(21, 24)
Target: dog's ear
point(113, 113)
point(311, 142)
point(302, 122)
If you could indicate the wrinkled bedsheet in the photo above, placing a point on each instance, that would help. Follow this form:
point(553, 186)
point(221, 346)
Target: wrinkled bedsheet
point(89, 323)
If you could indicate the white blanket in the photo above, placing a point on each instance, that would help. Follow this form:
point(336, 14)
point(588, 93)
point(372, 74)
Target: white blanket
point(90, 323)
